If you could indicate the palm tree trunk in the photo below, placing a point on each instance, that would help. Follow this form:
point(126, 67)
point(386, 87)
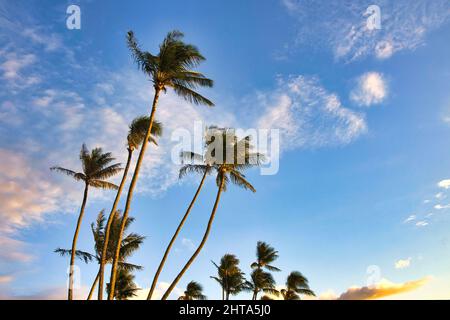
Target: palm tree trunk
point(174, 237)
point(255, 294)
point(93, 286)
point(74, 242)
point(108, 226)
point(130, 196)
point(202, 243)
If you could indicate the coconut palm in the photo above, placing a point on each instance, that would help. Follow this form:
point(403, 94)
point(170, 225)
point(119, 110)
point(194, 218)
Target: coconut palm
point(170, 68)
point(296, 284)
point(200, 166)
point(136, 135)
point(265, 255)
point(194, 291)
point(130, 244)
point(262, 281)
point(96, 169)
point(225, 142)
point(125, 287)
point(229, 276)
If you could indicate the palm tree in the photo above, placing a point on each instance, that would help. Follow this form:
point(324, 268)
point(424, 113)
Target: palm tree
point(194, 291)
point(96, 169)
point(125, 287)
point(227, 170)
point(136, 136)
point(262, 281)
point(229, 276)
point(198, 165)
point(170, 68)
point(296, 284)
point(130, 244)
point(265, 255)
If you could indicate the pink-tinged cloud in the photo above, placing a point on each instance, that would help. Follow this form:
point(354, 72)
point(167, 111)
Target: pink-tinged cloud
point(382, 289)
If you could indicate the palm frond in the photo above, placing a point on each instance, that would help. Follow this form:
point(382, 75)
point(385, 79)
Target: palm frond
point(76, 175)
point(103, 184)
point(191, 96)
point(82, 255)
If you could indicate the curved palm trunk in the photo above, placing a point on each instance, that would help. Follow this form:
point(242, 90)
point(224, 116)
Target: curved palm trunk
point(174, 237)
point(93, 286)
point(108, 226)
point(74, 242)
point(130, 196)
point(202, 243)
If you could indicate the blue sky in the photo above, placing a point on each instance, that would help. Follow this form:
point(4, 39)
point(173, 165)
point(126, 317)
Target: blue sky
point(364, 118)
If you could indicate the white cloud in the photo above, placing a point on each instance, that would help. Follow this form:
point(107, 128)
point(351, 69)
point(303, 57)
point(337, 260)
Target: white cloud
point(422, 223)
point(188, 243)
point(444, 184)
point(403, 263)
point(410, 218)
point(14, 250)
point(371, 89)
point(158, 293)
point(441, 207)
point(14, 63)
point(439, 195)
point(342, 26)
point(308, 115)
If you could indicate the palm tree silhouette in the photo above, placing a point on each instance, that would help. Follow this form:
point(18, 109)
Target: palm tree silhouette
point(296, 284)
point(194, 291)
point(229, 276)
point(261, 280)
point(223, 143)
point(136, 135)
point(170, 68)
point(96, 169)
point(130, 244)
point(265, 255)
point(125, 287)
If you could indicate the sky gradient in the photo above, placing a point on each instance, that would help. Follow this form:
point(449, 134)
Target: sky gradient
point(364, 117)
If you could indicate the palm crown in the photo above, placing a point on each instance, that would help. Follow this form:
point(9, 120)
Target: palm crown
point(229, 275)
point(96, 168)
point(265, 255)
point(194, 291)
point(138, 129)
point(172, 66)
point(296, 284)
point(130, 243)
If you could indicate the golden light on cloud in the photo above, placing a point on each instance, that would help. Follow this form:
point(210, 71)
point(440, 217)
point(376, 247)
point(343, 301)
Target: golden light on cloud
point(382, 289)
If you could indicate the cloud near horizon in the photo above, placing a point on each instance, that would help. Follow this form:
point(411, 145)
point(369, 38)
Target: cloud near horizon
point(382, 289)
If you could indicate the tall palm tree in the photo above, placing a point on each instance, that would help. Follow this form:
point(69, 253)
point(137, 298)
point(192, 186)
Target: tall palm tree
point(136, 135)
point(198, 165)
point(229, 276)
point(265, 255)
point(194, 291)
point(296, 284)
point(125, 287)
point(170, 68)
point(262, 281)
point(227, 170)
point(130, 244)
point(96, 168)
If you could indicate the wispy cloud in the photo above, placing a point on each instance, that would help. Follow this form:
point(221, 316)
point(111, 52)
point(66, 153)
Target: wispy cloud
point(410, 218)
point(422, 223)
point(308, 115)
point(343, 25)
